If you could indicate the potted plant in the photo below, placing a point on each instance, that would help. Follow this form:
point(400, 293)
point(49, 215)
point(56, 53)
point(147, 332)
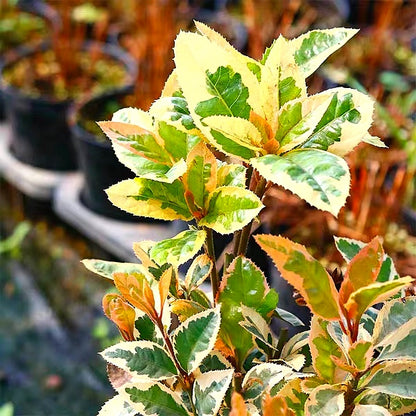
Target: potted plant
point(17, 28)
point(189, 353)
point(41, 83)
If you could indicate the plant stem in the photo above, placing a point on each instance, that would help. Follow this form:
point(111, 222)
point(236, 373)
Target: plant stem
point(246, 231)
point(210, 251)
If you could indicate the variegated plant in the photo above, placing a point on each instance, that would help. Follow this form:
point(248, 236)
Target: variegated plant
point(225, 127)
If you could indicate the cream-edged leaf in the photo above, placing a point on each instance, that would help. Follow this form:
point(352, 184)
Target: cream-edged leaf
point(179, 249)
point(153, 199)
point(320, 178)
point(370, 410)
point(313, 48)
point(154, 399)
point(107, 268)
point(117, 406)
point(195, 338)
point(326, 400)
point(230, 208)
point(198, 271)
point(209, 390)
point(145, 360)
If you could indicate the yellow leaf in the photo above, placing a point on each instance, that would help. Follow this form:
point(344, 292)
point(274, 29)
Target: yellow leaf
point(238, 406)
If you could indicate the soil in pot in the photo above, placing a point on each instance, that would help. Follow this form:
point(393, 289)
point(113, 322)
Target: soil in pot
point(39, 87)
point(97, 160)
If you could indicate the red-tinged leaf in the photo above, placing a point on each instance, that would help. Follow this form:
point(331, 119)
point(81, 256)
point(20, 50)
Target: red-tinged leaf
point(276, 406)
point(121, 313)
point(117, 376)
point(361, 353)
point(303, 272)
point(135, 289)
point(164, 284)
point(363, 269)
point(238, 407)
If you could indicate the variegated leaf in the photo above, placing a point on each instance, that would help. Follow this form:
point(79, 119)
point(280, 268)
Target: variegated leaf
point(294, 396)
point(237, 130)
point(154, 399)
point(108, 268)
point(230, 174)
point(400, 344)
point(198, 271)
point(323, 348)
point(294, 344)
point(276, 406)
point(195, 338)
point(117, 406)
point(320, 178)
point(263, 377)
point(393, 315)
point(326, 400)
point(396, 378)
point(361, 353)
point(230, 209)
point(243, 284)
point(143, 359)
point(179, 249)
point(370, 410)
point(363, 269)
point(303, 272)
point(209, 390)
point(258, 327)
point(185, 308)
point(349, 248)
point(311, 49)
point(360, 300)
point(134, 116)
point(396, 405)
point(201, 176)
point(137, 140)
point(288, 317)
point(152, 199)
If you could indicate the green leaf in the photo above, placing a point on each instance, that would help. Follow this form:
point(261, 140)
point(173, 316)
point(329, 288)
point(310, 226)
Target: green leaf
point(195, 338)
point(152, 199)
point(143, 359)
point(320, 178)
point(325, 400)
point(393, 316)
point(198, 271)
point(230, 209)
point(107, 268)
point(209, 390)
point(154, 399)
point(230, 146)
point(397, 378)
point(179, 249)
point(145, 329)
point(214, 361)
point(231, 175)
point(323, 348)
point(263, 377)
point(7, 409)
point(116, 406)
point(303, 272)
point(361, 353)
point(312, 48)
point(243, 284)
point(229, 95)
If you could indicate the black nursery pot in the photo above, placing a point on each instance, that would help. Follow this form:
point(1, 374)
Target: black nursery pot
point(97, 160)
point(40, 133)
